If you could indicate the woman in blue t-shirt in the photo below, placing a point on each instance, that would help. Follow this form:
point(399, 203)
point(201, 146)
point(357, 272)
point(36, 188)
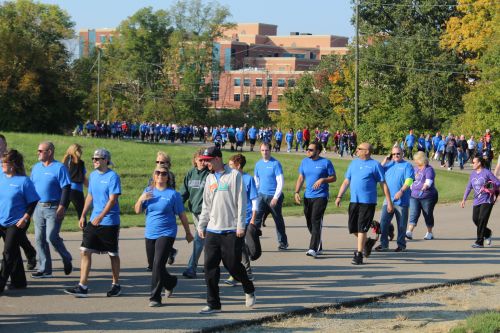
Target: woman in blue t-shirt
point(161, 204)
point(18, 199)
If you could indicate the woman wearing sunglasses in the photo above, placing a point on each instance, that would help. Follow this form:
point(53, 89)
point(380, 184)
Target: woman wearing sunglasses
point(161, 204)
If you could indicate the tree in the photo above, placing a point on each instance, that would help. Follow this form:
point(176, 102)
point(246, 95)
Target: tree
point(35, 80)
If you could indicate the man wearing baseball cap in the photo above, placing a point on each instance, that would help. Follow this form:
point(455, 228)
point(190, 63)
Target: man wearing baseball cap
point(222, 225)
point(101, 234)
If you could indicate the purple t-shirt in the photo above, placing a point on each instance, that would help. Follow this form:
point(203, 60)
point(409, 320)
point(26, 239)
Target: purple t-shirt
point(476, 183)
point(420, 177)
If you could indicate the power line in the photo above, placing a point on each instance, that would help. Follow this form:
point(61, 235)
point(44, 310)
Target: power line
point(423, 69)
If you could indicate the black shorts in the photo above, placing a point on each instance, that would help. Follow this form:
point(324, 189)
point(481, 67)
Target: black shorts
point(100, 239)
point(232, 139)
point(252, 141)
point(360, 217)
point(239, 143)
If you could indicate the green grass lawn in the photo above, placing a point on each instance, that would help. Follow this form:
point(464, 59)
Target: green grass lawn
point(487, 322)
point(135, 162)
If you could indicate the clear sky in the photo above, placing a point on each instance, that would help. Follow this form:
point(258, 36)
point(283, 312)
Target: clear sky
point(319, 17)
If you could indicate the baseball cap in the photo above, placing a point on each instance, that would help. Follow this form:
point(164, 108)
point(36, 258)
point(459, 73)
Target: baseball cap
point(210, 153)
point(102, 153)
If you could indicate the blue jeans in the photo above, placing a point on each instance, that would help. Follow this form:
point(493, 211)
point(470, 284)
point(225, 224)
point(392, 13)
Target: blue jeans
point(426, 206)
point(263, 207)
point(462, 157)
point(47, 228)
point(401, 220)
point(197, 247)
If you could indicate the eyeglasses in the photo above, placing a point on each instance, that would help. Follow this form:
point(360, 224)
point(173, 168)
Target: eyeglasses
point(161, 173)
point(396, 154)
point(97, 158)
point(360, 148)
point(42, 151)
point(311, 150)
point(162, 162)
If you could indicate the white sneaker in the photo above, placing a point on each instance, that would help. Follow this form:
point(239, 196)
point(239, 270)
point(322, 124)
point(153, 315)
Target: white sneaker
point(488, 241)
point(409, 234)
point(208, 310)
point(428, 236)
point(250, 300)
point(311, 253)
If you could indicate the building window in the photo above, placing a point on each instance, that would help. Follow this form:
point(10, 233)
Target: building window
point(103, 39)
point(269, 82)
point(291, 83)
point(258, 96)
point(258, 82)
point(246, 97)
point(237, 82)
point(269, 98)
point(110, 39)
point(236, 97)
point(281, 82)
point(246, 82)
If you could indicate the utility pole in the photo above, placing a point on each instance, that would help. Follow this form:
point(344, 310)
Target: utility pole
point(356, 79)
point(98, 82)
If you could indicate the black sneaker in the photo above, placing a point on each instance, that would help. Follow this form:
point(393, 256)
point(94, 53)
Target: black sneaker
point(115, 290)
point(31, 264)
point(171, 257)
point(189, 274)
point(283, 246)
point(41, 275)
point(357, 259)
point(77, 291)
point(68, 268)
point(149, 269)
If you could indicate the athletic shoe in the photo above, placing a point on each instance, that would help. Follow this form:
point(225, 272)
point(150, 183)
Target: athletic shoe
point(320, 252)
point(209, 310)
point(154, 304)
point(14, 287)
point(169, 293)
point(189, 274)
point(31, 264)
point(231, 281)
point(115, 290)
point(488, 241)
point(41, 275)
point(381, 249)
point(357, 259)
point(400, 249)
point(68, 268)
point(250, 300)
point(409, 235)
point(282, 246)
point(149, 269)
point(428, 236)
point(77, 291)
point(477, 246)
point(311, 253)
point(171, 257)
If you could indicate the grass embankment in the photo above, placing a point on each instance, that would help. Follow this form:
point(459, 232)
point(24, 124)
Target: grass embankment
point(486, 322)
point(135, 161)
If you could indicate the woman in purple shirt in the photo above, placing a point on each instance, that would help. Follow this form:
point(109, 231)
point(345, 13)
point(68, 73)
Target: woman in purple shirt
point(424, 196)
point(483, 201)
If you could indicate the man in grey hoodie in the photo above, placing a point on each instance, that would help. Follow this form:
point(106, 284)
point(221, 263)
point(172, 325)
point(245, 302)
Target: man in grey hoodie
point(222, 225)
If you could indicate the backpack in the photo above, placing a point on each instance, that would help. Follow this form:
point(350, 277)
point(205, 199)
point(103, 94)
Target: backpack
point(252, 242)
point(492, 190)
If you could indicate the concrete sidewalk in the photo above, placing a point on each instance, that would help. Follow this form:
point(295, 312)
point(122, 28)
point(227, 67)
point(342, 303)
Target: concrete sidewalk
point(285, 280)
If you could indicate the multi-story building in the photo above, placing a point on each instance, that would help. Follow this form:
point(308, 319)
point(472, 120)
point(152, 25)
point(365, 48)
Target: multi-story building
point(89, 39)
point(256, 63)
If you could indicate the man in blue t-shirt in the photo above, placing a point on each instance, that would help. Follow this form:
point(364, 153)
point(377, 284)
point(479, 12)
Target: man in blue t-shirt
point(101, 234)
point(362, 177)
point(268, 175)
point(53, 185)
point(318, 172)
point(399, 176)
point(410, 143)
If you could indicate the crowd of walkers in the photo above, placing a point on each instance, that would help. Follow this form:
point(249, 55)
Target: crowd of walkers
point(228, 207)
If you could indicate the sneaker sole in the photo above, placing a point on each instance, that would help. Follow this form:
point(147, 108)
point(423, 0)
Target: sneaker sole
point(115, 295)
point(77, 295)
point(42, 277)
point(230, 283)
point(210, 312)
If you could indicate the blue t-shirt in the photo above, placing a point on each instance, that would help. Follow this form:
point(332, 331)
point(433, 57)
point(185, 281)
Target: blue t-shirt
point(278, 136)
point(312, 170)
point(101, 186)
point(251, 191)
point(160, 212)
point(299, 135)
point(289, 137)
point(16, 194)
point(78, 186)
point(410, 140)
point(240, 135)
point(363, 177)
point(252, 133)
point(267, 173)
point(49, 180)
point(395, 176)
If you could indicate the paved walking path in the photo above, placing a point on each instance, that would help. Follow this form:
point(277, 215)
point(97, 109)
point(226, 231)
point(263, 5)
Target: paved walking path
point(285, 280)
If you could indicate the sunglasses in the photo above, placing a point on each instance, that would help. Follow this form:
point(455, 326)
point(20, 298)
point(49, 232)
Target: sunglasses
point(311, 150)
point(42, 151)
point(97, 158)
point(396, 154)
point(359, 148)
point(161, 173)
point(162, 162)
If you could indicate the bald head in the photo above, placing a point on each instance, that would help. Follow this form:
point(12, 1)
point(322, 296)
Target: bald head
point(364, 150)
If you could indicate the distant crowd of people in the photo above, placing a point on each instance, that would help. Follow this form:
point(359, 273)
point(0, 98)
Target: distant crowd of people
point(228, 207)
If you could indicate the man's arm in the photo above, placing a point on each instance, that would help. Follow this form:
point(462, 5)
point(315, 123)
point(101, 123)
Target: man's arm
point(113, 198)
point(387, 194)
point(343, 188)
point(86, 207)
point(298, 186)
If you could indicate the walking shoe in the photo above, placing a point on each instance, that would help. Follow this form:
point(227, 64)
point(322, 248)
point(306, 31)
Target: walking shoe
point(154, 304)
point(115, 290)
point(428, 236)
point(381, 249)
point(209, 310)
point(311, 253)
point(488, 241)
point(250, 300)
point(282, 246)
point(400, 249)
point(41, 275)
point(189, 274)
point(149, 269)
point(477, 246)
point(77, 291)
point(68, 268)
point(31, 264)
point(169, 293)
point(409, 235)
point(357, 259)
point(171, 257)
point(231, 281)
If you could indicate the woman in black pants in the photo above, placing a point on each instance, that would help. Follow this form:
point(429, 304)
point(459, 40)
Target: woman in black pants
point(73, 161)
point(161, 204)
point(18, 199)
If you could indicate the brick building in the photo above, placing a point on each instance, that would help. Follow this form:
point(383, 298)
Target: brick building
point(89, 39)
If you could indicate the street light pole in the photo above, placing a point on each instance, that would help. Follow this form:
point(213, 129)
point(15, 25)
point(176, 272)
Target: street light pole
point(356, 79)
point(98, 83)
